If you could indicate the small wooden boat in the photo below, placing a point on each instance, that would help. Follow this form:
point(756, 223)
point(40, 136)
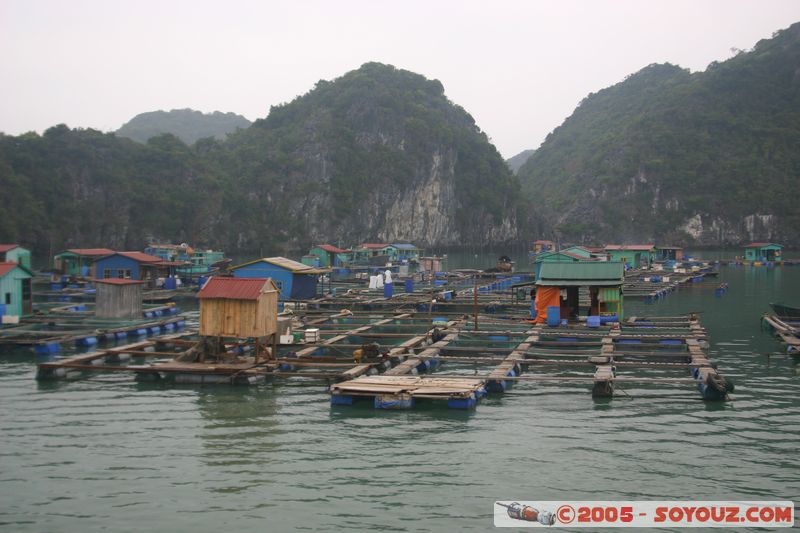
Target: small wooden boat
point(785, 311)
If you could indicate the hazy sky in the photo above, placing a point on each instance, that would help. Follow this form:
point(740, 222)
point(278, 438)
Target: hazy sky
point(519, 67)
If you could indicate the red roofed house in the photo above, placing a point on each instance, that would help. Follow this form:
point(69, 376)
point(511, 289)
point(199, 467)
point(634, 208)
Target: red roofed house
point(16, 297)
point(238, 307)
point(134, 265)
point(327, 256)
point(79, 261)
point(14, 253)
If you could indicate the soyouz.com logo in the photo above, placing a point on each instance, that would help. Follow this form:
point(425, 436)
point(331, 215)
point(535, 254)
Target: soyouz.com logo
point(593, 514)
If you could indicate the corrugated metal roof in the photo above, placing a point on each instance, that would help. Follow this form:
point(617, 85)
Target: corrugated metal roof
point(598, 273)
point(331, 248)
point(374, 246)
point(8, 266)
point(141, 257)
point(236, 288)
point(762, 245)
point(118, 281)
point(633, 247)
point(405, 246)
point(91, 252)
point(7, 247)
point(288, 264)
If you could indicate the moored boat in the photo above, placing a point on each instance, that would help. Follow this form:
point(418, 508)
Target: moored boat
point(785, 311)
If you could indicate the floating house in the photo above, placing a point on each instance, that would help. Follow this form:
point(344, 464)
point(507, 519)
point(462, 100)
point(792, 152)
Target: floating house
point(578, 250)
point(375, 254)
point(541, 246)
point(14, 253)
point(118, 298)
point(16, 296)
point(294, 281)
point(170, 252)
point(562, 256)
point(327, 256)
point(134, 265)
point(405, 253)
point(763, 251)
point(558, 284)
point(669, 253)
point(80, 261)
point(238, 307)
point(632, 255)
point(202, 262)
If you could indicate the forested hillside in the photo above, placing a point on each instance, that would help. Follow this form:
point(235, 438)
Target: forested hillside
point(709, 157)
point(378, 154)
point(186, 124)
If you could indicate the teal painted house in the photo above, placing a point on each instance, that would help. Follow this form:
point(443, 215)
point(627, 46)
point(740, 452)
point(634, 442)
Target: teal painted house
point(562, 256)
point(328, 256)
point(632, 255)
point(14, 253)
point(763, 251)
point(405, 253)
point(16, 296)
point(79, 261)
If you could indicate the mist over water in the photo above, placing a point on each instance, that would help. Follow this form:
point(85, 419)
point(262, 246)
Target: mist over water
point(109, 454)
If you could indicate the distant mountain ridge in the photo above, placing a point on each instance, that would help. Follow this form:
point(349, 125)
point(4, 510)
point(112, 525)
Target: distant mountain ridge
point(515, 162)
point(186, 124)
point(706, 158)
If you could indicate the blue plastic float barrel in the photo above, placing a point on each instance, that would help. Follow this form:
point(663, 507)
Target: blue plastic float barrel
point(409, 285)
point(388, 290)
point(553, 316)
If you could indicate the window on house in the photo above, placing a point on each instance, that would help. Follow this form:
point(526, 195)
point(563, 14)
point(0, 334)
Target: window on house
point(107, 273)
point(279, 285)
point(8, 298)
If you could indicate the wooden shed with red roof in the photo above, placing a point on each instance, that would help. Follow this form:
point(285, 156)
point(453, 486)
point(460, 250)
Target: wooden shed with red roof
point(238, 307)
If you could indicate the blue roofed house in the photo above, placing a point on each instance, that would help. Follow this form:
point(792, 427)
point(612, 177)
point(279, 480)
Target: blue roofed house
point(294, 280)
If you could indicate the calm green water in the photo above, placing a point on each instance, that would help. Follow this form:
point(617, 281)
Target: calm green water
point(108, 454)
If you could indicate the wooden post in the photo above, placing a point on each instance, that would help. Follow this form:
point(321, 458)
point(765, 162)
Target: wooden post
point(275, 345)
point(475, 301)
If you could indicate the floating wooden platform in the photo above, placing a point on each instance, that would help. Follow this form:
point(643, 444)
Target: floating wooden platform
point(454, 351)
point(785, 329)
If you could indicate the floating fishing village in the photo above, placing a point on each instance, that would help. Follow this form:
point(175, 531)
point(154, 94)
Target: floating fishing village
point(381, 323)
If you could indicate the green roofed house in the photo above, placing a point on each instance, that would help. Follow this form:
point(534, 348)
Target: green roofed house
point(14, 253)
point(558, 284)
point(16, 297)
point(562, 256)
point(763, 251)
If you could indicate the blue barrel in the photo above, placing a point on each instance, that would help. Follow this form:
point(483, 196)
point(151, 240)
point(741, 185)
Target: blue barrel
point(553, 316)
point(409, 285)
point(593, 321)
point(388, 290)
point(170, 284)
